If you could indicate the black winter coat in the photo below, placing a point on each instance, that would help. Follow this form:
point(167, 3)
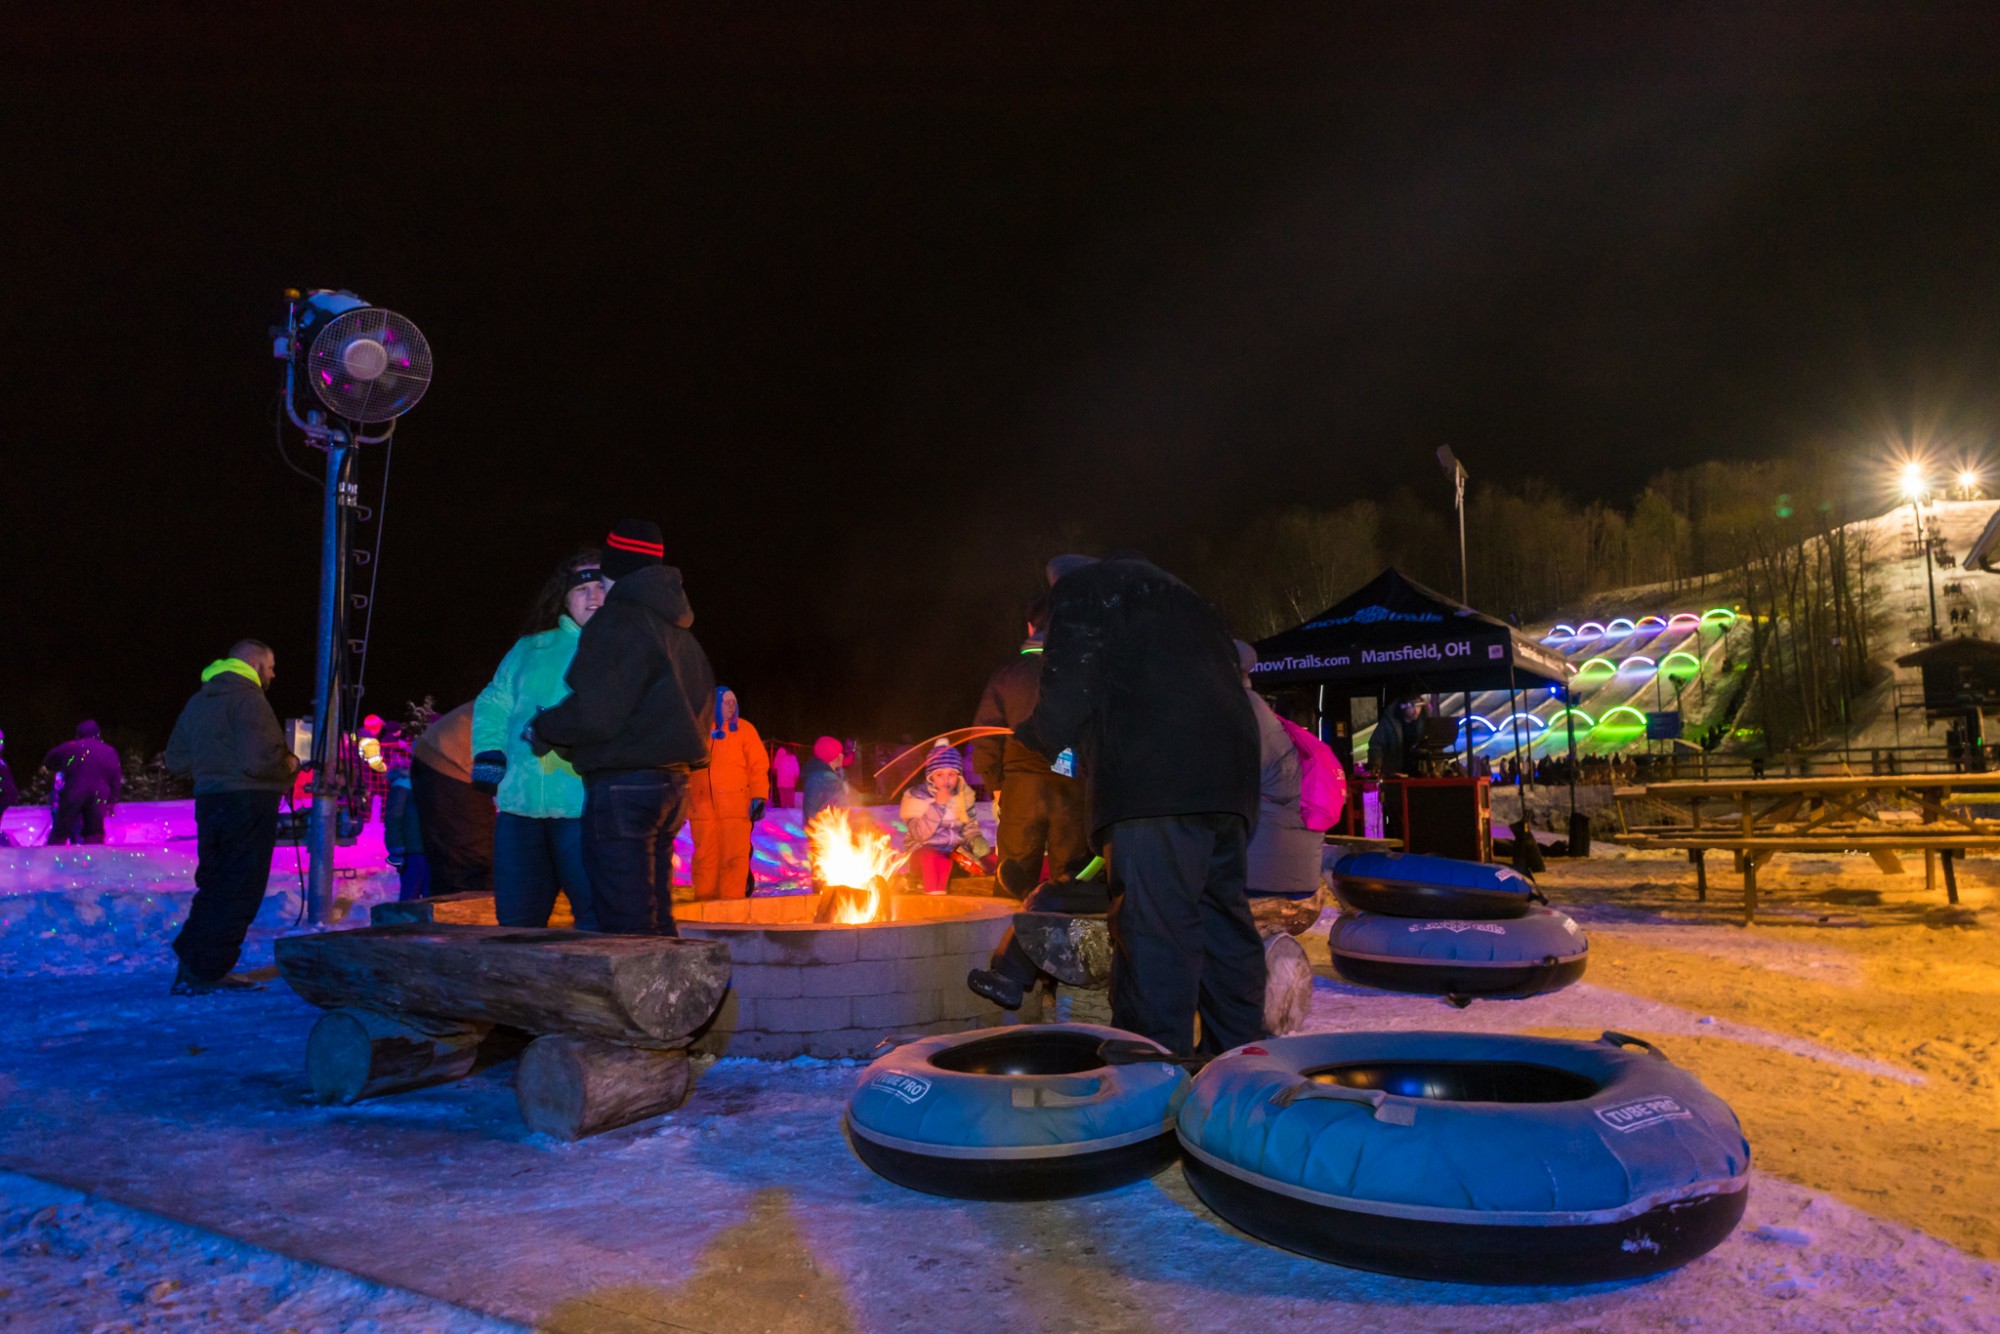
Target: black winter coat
point(643, 690)
point(229, 739)
point(1140, 676)
point(1010, 698)
point(89, 768)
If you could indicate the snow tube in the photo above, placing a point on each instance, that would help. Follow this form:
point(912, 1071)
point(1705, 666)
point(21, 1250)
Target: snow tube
point(1467, 1157)
point(1543, 951)
point(1025, 1112)
point(1406, 884)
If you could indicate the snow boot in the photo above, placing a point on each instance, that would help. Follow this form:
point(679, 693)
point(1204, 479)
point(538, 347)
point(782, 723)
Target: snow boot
point(1002, 990)
point(187, 984)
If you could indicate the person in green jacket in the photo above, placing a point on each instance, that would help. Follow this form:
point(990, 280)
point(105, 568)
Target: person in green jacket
point(538, 836)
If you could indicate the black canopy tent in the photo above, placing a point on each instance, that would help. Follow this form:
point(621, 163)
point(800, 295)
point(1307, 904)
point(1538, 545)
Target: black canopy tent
point(1395, 637)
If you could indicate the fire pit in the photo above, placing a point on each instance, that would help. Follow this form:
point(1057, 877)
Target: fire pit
point(833, 973)
point(803, 988)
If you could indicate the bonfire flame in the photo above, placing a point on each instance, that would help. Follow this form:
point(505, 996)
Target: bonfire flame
point(852, 865)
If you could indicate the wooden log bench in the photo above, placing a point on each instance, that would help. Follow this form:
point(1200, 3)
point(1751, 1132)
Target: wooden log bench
point(601, 1023)
point(1074, 950)
point(1879, 843)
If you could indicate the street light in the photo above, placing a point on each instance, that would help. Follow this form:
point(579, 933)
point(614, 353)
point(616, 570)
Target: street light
point(1968, 484)
point(1456, 471)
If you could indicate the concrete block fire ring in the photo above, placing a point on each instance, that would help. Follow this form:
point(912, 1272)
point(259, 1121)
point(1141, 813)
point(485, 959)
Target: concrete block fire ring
point(804, 988)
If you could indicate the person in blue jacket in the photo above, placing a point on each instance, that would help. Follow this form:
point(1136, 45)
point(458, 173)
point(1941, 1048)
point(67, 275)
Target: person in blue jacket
point(538, 836)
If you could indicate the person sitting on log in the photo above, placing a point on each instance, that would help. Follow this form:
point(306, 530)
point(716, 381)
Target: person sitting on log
point(937, 812)
point(1005, 981)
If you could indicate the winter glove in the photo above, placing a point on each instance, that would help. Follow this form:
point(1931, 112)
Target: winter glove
point(756, 809)
point(488, 768)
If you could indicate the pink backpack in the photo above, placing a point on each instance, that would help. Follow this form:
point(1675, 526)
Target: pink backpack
point(1322, 782)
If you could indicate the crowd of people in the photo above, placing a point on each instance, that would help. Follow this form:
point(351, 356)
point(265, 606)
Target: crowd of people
point(1131, 768)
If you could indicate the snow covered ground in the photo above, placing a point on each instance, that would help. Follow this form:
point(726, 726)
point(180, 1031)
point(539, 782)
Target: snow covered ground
point(1854, 1032)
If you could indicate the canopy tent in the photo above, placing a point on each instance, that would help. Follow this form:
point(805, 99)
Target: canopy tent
point(1397, 635)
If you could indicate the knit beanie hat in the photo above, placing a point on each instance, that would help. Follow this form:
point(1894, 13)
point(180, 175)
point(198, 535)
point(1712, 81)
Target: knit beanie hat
point(943, 757)
point(720, 726)
point(631, 546)
point(827, 751)
point(86, 729)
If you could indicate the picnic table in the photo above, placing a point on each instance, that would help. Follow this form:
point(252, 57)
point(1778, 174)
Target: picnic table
point(1756, 818)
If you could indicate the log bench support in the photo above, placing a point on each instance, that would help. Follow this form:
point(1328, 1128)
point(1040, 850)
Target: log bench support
point(354, 1054)
point(570, 1087)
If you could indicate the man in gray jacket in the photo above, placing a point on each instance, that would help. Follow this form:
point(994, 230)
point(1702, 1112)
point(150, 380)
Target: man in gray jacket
point(228, 738)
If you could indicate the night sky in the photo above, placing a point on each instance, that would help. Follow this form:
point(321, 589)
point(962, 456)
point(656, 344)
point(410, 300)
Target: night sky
point(872, 307)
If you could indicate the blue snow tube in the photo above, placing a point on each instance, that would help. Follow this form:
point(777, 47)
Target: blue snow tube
point(1025, 1112)
point(1405, 884)
point(1467, 1157)
point(1542, 951)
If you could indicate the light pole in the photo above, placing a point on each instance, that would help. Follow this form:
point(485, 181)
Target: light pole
point(1915, 487)
point(1456, 471)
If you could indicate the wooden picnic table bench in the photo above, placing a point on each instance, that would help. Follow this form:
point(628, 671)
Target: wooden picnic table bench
point(1881, 844)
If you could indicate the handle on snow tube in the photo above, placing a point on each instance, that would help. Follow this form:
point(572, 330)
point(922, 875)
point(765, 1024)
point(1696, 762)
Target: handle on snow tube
point(1137, 1051)
point(1536, 896)
point(1627, 1040)
point(1049, 1095)
point(1395, 1113)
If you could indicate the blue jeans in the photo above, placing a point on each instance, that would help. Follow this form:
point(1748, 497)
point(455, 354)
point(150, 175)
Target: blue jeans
point(534, 858)
point(630, 817)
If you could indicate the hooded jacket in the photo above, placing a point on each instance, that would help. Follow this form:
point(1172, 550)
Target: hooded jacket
point(1140, 677)
point(736, 775)
point(1010, 698)
point(642, 692)
point(88, 767)
point(228, 737)
point(1284, 855)
point(530, 679)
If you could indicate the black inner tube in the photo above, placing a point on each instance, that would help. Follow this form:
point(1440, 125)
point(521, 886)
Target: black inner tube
point(1461, 1081)
point(1027, 1053)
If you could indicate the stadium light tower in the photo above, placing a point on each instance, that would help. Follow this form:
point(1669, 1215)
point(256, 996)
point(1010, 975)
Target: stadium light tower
point(1915, 487)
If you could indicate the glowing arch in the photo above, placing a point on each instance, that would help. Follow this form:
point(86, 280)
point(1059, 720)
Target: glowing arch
point(1605, 721)
point(1616, 621)
point(1651, 620)
point(1721, 614)
point(1588, 721)
point(1692, 663)
point(1559, 632)
point(1589, 630)
point(1508, 721)
point(1605, 663)
point(1466, 723)
point(1683, 619)
point(1637, 657)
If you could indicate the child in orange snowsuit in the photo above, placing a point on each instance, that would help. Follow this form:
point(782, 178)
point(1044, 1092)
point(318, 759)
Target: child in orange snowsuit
point(725, 801)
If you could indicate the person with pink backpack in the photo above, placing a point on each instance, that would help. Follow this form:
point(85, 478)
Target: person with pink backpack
point(1300, 792)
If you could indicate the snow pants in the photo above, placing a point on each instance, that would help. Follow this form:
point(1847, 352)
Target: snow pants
point(79, 817)
point(721, 858)
point(630, 817)
point(1182, 938)
point(456, 822)
point(235, 833)
point(1041, 815)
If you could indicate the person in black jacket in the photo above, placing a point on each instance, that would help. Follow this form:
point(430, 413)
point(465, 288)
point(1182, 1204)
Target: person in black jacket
point(1140, 679)
point(1040, 806)
point(90, 779)
point(228, 738)
point(635, 726)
